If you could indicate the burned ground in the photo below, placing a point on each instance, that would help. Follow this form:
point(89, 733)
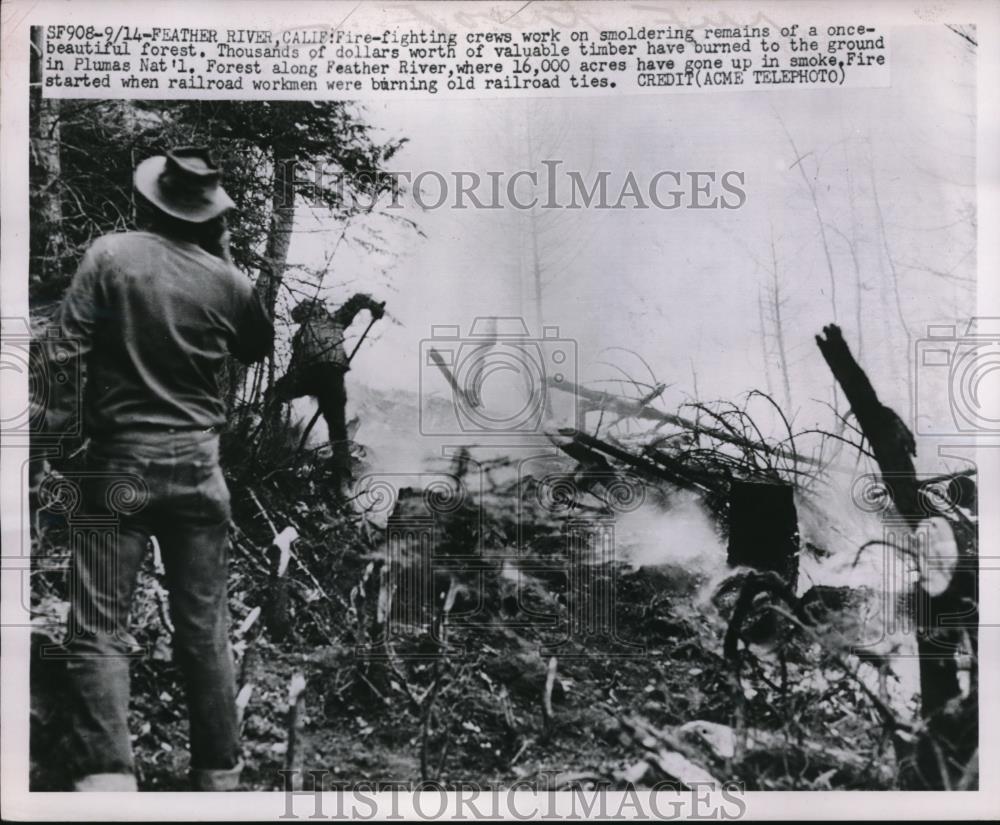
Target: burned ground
point(496, 663)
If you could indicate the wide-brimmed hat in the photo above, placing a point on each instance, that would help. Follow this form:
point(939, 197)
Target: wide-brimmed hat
point(184, 183)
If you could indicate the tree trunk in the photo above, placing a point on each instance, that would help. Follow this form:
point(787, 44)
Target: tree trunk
point(779, 332)
point(952, 733)
point(891, 440)
point(279, 236)
point(268, 285)
point(894, 275)
point(763, 343)
point(279, 239)
point(47, 171)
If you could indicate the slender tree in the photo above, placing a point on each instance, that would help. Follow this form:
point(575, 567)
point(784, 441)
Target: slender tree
point(48, 247)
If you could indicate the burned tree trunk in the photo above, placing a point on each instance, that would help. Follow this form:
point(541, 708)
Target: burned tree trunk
point(941, 756)
point(891, 440)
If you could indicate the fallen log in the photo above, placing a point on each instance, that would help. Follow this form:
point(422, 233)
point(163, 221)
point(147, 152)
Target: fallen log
point(638, 409)
point(584, 445)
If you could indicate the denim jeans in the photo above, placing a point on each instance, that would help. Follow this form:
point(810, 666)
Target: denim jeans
point(185, 505)
point(324, 381)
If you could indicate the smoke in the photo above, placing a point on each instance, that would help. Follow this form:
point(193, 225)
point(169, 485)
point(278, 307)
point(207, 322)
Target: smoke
point(835, 523)
point(683, 535)
point(383, 425)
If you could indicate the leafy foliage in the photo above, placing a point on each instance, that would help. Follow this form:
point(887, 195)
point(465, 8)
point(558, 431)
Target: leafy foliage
point(270, 154)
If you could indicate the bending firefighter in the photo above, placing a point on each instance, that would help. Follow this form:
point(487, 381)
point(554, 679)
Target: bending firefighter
point(318, 367)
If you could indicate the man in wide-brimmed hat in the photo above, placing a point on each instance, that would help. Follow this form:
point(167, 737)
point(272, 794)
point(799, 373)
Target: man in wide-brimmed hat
point(155, 314)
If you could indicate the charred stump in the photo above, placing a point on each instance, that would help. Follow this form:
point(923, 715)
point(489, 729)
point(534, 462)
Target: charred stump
point(763, 528)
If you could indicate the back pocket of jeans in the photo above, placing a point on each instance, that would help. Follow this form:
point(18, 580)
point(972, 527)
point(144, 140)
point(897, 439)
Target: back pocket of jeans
point(121, 486)
point(213, 491)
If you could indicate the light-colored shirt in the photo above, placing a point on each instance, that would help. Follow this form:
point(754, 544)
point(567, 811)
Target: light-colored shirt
point(153, 319)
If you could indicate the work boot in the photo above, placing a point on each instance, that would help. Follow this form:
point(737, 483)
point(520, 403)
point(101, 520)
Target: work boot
point(224, 779)
point(106, 783)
